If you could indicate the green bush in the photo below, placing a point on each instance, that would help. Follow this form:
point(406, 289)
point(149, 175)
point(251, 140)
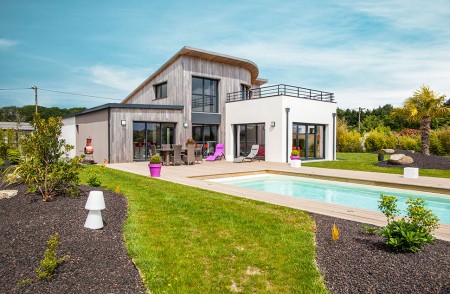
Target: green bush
point(375, 140)
point(409, 143)
point(1, 162)
point(41, 166)
point(348, 141)
point(13, 155)
point(444, 138)
point(408, 234)
point(436, 146)
point(294, 153)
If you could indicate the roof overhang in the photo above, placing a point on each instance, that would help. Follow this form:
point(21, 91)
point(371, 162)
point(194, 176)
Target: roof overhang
point(206, 55)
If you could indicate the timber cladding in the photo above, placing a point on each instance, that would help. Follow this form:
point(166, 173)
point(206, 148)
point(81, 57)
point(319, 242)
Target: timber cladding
point(121, 137)
point(178, 76)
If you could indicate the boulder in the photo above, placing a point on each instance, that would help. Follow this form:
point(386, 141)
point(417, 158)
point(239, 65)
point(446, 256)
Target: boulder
point(400, 159)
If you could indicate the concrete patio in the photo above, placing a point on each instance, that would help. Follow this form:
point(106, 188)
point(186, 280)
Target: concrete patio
point(195, 175)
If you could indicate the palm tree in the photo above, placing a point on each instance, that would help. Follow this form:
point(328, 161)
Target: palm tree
point(423, 106)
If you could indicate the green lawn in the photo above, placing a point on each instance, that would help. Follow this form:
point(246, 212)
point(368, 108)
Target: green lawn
point(188, 240)
point(366, 161)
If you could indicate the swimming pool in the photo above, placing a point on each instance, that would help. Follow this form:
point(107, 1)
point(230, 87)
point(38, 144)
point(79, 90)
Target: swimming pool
point(353, 195)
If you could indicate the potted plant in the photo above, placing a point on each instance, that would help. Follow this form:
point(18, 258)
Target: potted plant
point(155, 166)
point(190, 141)
point(295, 155)
point(381, 155)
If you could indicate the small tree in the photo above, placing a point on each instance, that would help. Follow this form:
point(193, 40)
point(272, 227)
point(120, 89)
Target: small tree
point(41, 165)
point(423, 106)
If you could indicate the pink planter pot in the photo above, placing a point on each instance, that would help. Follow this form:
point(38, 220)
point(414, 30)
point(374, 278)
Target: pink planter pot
point(295, 157)
point(155, 169)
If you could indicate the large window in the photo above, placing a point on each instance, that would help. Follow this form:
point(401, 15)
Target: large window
point(204, 95)
point(161, 90)
point(146, 134)
point(247, 135)
point(309, 140)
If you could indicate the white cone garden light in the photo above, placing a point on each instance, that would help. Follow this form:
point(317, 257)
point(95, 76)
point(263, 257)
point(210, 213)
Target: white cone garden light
point(95, 204)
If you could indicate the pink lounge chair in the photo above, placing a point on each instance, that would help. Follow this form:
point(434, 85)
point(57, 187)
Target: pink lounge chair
point(217, 154)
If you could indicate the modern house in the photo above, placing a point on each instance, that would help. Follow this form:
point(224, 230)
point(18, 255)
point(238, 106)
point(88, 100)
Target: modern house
point(212, 98)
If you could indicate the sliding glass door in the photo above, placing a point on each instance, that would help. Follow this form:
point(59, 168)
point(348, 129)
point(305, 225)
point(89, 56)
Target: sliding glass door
point(247, 135)
point(146, 134)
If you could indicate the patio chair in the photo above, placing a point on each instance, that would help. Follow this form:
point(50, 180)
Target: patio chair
point(175, 159)
point(153, 150)
point(217, 154)
point(189, 158)
point(198, 155)
point(252, 155)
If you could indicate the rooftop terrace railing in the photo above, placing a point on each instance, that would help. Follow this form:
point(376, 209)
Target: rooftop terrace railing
point(279, 90)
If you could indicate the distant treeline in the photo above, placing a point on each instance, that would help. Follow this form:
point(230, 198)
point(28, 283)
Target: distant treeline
point(383, 116)
point(25, 113)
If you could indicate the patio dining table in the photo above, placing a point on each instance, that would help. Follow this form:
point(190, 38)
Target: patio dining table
point(165, 154)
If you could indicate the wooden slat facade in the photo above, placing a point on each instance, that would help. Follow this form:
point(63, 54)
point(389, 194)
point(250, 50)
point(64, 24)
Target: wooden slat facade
point(178, 76)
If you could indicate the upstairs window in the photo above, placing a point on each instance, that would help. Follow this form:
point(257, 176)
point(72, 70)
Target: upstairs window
point(205, 95)
point(161, 91)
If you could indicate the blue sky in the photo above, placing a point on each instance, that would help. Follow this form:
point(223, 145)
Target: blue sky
point(369, 53)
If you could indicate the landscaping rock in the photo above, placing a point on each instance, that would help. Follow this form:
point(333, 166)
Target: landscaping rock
point(400, 159)
point(420, 161)
point(4, 194)
point(388, 151)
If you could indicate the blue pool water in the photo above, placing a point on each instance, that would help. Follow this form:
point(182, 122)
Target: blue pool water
point(353, 195)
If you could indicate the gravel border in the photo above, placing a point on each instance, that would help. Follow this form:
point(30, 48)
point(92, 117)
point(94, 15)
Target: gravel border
point(98, 260)
point(420, 161)
point(361, 263)
point(356, 263)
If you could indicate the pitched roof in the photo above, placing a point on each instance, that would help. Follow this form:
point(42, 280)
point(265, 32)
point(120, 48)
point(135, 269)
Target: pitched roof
point(206, 55)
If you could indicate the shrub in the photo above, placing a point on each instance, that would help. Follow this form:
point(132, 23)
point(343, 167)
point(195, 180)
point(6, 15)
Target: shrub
point(375, 140)
point(294, 153)
point(13, 155)
point(49, 262)
point(93, 173)
point(444, 138)
point(41, 166)
point(1, 162)
point(155, 159)
point(408, 234)
point(436, 146)
point(348, 141)
point(409, 143)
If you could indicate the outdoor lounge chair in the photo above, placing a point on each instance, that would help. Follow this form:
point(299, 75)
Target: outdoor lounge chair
point(252, 155)
point(217, 154)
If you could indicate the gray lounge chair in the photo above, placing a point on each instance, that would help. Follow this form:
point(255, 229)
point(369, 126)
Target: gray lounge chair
point(252, 155)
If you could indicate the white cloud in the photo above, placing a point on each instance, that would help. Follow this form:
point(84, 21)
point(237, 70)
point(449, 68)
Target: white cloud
point(5, 43)
point(124, 79)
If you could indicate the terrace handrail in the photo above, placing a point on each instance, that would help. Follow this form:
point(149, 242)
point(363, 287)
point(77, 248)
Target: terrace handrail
point(280, 90)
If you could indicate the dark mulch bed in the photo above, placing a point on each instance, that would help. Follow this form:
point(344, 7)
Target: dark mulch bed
point(420, 161)
point(362, 263)
point(356, 263)
point(98, 259)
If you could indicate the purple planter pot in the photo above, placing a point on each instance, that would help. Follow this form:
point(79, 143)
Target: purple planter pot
point(295, 157)
point(155, 169)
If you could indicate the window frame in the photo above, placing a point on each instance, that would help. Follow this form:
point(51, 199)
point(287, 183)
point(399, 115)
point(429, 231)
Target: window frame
point(159, 86)
point(204, 96)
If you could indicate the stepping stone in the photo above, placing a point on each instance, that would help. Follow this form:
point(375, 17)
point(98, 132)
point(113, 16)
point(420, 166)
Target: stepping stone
point(8, 193)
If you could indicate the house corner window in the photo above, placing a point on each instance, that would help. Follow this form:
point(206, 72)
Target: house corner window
point(161, 90)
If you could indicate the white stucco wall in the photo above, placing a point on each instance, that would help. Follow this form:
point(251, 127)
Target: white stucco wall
point(272, 109)
point(68, 133)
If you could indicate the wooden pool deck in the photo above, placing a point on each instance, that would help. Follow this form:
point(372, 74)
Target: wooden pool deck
point(195, 175)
